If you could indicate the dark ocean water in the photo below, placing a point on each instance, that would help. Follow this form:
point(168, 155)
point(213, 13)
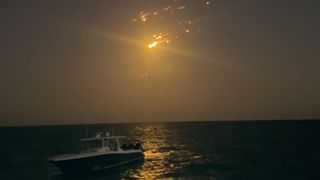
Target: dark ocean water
point(206, 150)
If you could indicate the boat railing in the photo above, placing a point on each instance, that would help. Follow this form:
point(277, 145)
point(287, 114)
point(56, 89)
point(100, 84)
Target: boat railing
point(103, 138)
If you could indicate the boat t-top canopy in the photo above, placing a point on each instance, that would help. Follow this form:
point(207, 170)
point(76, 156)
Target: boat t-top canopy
point(103, 138)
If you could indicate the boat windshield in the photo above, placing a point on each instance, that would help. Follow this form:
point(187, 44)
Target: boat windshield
point(96, 144)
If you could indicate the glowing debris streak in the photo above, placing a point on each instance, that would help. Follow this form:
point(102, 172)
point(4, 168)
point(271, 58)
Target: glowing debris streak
point(174, 19)
point(152, 45)
point(121, 38)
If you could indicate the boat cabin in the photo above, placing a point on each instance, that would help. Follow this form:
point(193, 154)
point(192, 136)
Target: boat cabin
point(104, 142)
point(102, 152)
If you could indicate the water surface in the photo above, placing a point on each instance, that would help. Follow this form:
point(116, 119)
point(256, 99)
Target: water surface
point(203, 150)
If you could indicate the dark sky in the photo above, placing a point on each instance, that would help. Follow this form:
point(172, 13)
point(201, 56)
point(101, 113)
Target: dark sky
point(81, 61)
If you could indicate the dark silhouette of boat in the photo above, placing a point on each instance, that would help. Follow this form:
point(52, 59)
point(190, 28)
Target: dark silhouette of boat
point(103, 152)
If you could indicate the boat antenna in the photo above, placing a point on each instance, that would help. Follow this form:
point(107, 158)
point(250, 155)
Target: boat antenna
point(87, 134)
point(86, 129)
point(111, 131)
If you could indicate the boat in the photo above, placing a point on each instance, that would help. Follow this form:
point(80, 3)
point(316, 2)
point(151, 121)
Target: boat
point(103, 152)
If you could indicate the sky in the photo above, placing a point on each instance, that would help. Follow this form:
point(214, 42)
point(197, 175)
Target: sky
point(79, 61)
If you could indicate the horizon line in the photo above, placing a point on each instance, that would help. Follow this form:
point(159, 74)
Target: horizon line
point(167, 121)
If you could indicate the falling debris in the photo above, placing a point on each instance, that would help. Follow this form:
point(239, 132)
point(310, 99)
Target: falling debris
point(173, 18)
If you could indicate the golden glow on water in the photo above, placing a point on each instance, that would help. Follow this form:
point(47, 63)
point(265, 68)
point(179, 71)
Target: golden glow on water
point(154, 138)
point(155, 142)
point(164, 153)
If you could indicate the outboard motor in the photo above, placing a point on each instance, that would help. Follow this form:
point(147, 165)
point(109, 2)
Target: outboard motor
point(138, 146)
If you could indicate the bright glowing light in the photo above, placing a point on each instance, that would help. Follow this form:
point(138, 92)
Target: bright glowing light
point(129, 40)
point(175, 19)
point(143, 16)
point(152, 45)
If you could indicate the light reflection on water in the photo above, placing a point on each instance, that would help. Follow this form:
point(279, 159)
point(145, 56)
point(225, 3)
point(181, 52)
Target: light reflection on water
point(195, 151)
point(164, 153)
